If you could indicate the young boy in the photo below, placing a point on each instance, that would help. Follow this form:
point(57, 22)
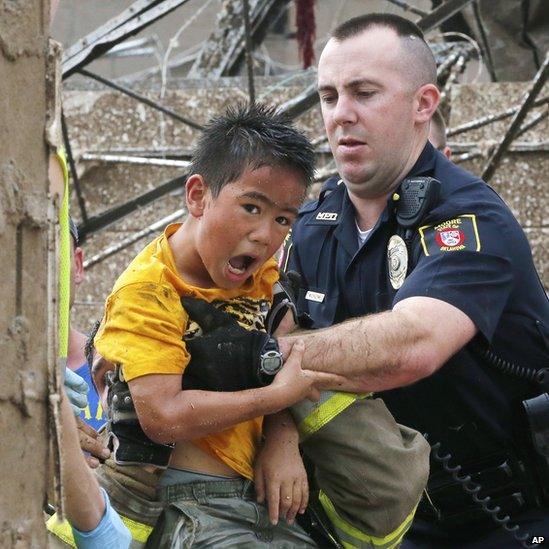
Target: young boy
point(249, 176)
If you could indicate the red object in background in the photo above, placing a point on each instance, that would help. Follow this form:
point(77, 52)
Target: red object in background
point(306, 30)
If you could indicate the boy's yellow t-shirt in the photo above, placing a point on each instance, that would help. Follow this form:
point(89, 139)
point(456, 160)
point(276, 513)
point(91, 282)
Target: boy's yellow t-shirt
point(144, 323)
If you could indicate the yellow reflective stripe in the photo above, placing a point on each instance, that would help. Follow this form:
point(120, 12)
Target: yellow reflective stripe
point(326, 411)
point(359, 539)
point(64, 260)
point(60, 529)
point(139, 531)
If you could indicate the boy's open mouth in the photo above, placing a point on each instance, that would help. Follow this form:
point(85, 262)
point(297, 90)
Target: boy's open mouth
point(240, 263)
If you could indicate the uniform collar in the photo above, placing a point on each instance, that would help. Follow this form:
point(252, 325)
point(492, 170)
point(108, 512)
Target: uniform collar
point(337, 209)
point(425, 162)
point(346, 232)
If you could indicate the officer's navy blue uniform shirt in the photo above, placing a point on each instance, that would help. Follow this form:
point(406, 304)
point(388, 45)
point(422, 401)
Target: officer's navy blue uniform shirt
point(469, 251)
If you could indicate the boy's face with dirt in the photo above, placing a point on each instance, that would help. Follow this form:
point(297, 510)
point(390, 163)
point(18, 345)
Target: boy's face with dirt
point(243, 226)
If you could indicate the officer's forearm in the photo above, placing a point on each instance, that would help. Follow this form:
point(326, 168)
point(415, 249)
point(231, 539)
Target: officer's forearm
point(389, 349)
point(366, 351)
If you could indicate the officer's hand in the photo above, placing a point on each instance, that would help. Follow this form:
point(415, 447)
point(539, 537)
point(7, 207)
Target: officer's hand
point(226, 357)
point(77, 391)
point(91, 443)
point(298, 384)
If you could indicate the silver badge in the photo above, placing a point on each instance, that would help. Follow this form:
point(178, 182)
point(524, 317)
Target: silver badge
point(397, 260)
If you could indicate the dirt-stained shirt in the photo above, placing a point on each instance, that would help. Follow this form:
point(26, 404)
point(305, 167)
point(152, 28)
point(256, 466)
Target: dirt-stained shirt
point(144, 324)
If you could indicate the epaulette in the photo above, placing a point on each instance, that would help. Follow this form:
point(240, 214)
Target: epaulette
point(329, 185)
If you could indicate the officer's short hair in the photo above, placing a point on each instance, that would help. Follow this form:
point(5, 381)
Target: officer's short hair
point(438, 131)
point(250, 137)
point(419, 57)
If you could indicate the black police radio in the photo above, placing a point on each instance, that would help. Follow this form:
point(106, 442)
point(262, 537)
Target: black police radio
point(418, 195)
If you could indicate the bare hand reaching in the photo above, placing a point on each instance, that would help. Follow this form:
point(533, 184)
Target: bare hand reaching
point(91, 443)
point(298, 384)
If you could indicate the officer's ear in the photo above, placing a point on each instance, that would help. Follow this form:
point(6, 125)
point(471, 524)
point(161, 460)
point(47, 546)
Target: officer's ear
point(426, 102)
point(196, 192)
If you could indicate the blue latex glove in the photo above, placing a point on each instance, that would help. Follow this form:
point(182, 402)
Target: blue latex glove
point(77, 391)
point(111, 532)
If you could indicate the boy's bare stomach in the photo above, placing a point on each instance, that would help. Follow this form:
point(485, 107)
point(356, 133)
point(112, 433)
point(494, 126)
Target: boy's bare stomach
point(188, 456)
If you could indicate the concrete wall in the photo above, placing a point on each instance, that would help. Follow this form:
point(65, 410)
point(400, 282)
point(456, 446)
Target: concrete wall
point(108, 121)
point(23, 271)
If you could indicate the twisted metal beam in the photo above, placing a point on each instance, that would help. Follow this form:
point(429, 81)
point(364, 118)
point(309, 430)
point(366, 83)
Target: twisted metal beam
point(128, 241)
point(72, 166)
point(114, 214)
point(485, 120)
point(142, 99)
point(407, 7)
point(441, 14)
point(137, 17)
point(514, 126)
point(249, 50)
point(129, 159)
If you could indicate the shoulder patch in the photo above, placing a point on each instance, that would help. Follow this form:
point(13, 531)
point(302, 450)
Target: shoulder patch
point(453, 235)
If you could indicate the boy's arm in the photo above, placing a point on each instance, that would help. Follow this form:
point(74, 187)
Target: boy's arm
point(168, 414)
point(280, 475)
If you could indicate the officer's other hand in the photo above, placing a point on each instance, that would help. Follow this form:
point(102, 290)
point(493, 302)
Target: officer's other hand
point(298, 384)
point(279, 476)
point(91, 443)
point(77, 391)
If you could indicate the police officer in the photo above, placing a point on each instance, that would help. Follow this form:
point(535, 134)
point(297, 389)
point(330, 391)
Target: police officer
point(445, 316)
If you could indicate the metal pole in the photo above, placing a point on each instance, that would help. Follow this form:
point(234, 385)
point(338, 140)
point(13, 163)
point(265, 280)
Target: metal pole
point(535, 88)
point(408, 7)
point(125, 159)
point(441, 14)
point(534, 122)
point(111, 250)
point(142, 99)
point(72, 165)
point(248, 43)
point(103, 219)
point(485, 120)
point(133, 20)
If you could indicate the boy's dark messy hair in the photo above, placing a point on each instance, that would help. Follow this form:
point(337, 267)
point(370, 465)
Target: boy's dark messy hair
point(250, 136)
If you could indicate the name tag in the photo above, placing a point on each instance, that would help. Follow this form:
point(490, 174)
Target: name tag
point(326, 216)
point(314, 296)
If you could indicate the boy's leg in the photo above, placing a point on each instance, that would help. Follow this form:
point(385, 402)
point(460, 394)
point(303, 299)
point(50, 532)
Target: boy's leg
point(370, 471)
point(220, 513)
